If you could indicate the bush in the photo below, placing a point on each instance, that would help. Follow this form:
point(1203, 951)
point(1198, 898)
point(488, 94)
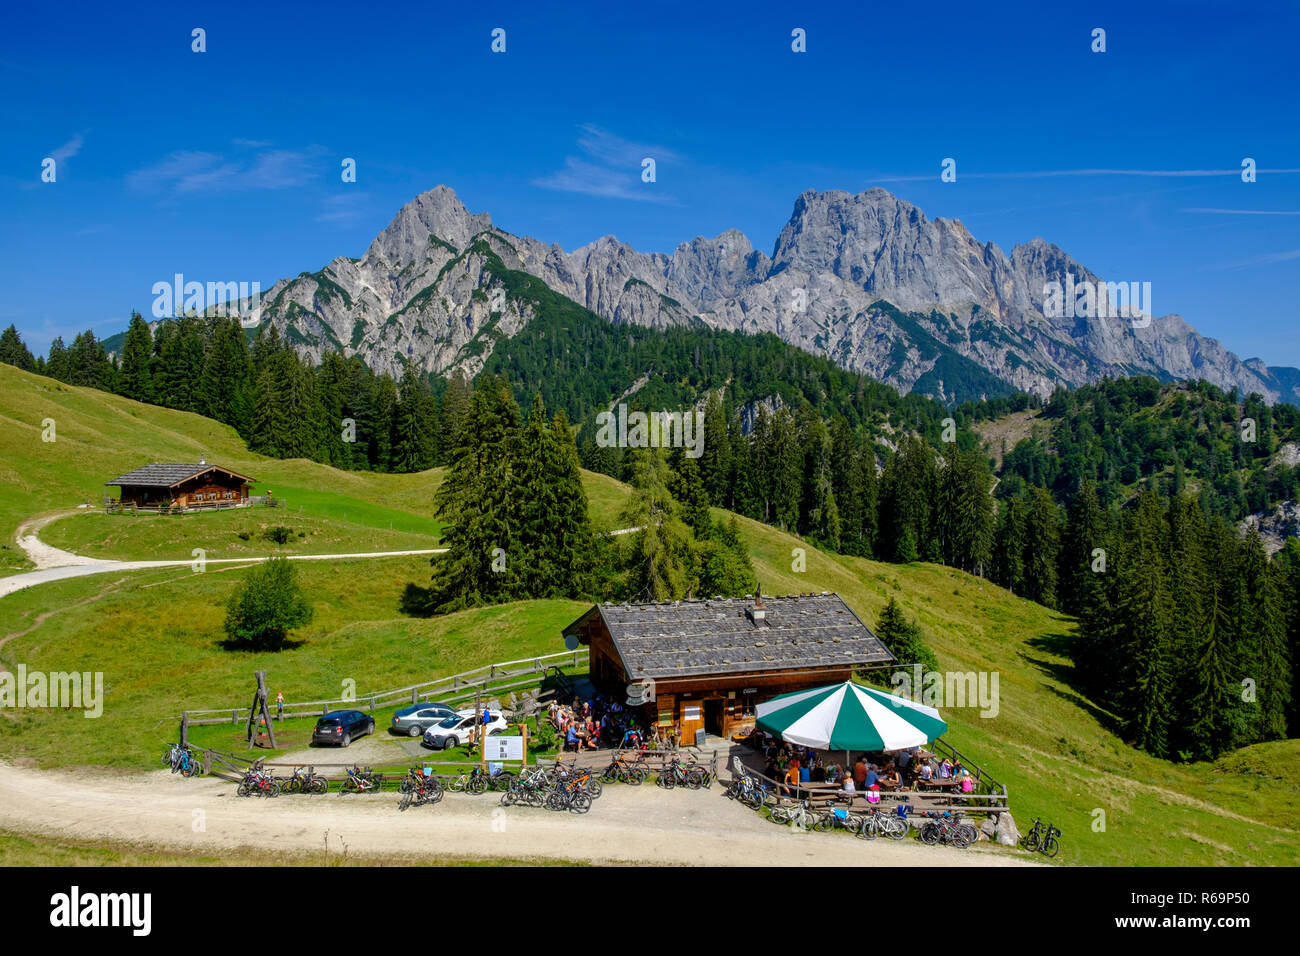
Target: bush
point(279, 534)
point(260, 614)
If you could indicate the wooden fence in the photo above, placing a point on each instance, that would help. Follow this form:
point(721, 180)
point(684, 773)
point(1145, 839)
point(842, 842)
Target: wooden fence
point(491, 679)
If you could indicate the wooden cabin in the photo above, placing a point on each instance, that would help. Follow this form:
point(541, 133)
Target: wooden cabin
point(713, 661)
point(183, 486)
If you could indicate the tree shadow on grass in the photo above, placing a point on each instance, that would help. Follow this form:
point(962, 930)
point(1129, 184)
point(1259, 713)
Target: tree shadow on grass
point(290, 644)
point(416, 601)
point(1065, 645)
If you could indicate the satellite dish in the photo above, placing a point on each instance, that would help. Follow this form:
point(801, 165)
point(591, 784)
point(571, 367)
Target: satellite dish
point(571, 641)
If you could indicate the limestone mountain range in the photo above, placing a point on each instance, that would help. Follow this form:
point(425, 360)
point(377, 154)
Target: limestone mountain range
point(866, 280)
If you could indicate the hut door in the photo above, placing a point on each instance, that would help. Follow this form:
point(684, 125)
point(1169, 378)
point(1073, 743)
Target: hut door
point(713, 716)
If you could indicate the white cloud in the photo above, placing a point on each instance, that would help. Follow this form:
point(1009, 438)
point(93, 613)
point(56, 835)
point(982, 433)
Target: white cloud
point(190, 171)
point(611, 167)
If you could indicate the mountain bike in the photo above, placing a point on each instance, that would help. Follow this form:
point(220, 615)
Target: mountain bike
point(361, 781)
point(309, 782)
point(623, 770)
point(258, 782)
point(752, 793)
point(687, 776)
point(876, 822)
point(182, 761)
point(798, 815)
point(941, 828)
point(418, 788)
point(1042, 838)
point(569, 795)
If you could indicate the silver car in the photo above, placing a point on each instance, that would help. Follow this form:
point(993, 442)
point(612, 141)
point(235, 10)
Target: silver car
point(413, 721)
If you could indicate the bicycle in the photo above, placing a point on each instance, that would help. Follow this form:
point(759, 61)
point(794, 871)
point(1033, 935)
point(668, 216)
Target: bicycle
point(258, 781)
point(622, 770)
point(182, 761)
point(1042, 839)
point(361, 781)
point(419, 788)
point(569, 795)
point(875, 822)
point(941, 828)
point(309, 782)
point(675, 773)
point(798, 815)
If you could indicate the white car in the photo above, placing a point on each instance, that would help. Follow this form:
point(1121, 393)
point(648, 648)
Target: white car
point(457, 730)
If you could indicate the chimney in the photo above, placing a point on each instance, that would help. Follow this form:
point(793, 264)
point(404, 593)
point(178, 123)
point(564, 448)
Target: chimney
point(757, 614)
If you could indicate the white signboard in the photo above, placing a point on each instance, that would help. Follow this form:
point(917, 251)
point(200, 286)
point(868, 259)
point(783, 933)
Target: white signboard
point(505, 748)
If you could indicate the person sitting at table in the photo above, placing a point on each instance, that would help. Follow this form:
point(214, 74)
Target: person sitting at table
point(593, 736)
point(860, 772)
point(945, 770)
point(792, 779)
point(957, 768)
point(805, 772)
point(819, 773)
point(890, 780)
point(871, 778)
point(927, 771)
point(904, 758)
point(571, 738)
point(848, 790)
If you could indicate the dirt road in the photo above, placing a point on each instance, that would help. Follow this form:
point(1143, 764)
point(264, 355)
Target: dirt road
point(628, 824)
point(54, 564)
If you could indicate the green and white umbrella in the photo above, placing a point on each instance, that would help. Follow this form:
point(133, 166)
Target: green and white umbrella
point(849, 716)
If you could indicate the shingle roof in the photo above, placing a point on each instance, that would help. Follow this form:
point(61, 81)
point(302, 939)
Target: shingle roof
point(687, 638)
point(159, 475)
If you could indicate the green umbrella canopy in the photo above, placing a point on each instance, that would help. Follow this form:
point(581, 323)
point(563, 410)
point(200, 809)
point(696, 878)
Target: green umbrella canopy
point(849, 716)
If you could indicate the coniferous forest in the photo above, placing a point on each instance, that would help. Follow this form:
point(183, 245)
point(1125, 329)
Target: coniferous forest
point(1123, 510)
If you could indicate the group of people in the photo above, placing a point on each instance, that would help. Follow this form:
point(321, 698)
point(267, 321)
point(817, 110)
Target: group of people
point(590, 724)
point(869, 775)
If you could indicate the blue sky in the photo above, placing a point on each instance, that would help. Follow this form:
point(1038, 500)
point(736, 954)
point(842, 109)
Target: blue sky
point(225, 165)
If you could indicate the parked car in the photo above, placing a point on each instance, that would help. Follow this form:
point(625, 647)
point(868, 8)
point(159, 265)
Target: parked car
point(341, 726)
point(416, 719)
point(456, 729)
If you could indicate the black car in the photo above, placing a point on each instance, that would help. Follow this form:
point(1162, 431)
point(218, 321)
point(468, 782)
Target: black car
point(414, 720)
point(341, 726)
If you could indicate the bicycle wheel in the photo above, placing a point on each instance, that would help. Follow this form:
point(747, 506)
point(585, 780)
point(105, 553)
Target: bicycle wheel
point(580, 802)
point(406, 800)
point(1050, 847)
point(610, 774)
point(694, 778)
point(191, 769)
point(668, 780)
point(556, 800)
point(476, 785)
point(822, 822)
point(1030, 841)
point(868, 829)
point(960, 838)
point(972, 835)
point(244, 789)
point(317, 785)
point(594, 788)
point(780, 815)
point(931, 833)
point(458, 785)
point(894, 827)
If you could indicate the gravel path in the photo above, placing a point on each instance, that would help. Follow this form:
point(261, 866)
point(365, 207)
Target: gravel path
point(629, 824)
point(54, 564)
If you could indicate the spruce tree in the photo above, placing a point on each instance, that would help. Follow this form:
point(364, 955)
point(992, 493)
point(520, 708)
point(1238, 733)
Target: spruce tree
point(14, 352)
point(134, 378)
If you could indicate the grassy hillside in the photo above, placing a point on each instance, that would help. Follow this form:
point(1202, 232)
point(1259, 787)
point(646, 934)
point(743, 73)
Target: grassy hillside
point(98, 436)
point(156, 634)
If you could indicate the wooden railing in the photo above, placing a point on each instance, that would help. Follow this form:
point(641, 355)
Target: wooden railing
point(492, 678)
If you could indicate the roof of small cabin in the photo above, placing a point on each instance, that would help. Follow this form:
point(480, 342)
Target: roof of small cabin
point(690, 638)
point(161, 475)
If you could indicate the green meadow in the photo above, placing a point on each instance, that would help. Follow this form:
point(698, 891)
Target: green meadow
point(156, 635)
